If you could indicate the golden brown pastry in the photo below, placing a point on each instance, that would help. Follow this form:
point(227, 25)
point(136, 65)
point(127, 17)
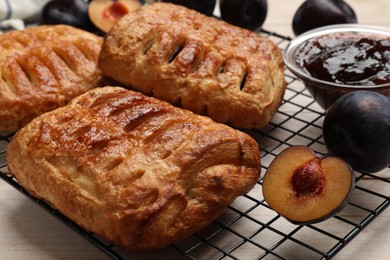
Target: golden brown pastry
point(197, 62)
point(42, 68)
point(133, 169)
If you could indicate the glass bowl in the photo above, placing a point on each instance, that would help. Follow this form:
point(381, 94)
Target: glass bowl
point(326, 92)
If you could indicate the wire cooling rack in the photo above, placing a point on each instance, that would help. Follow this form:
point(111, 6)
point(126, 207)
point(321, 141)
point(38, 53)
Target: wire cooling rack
point(249, 229)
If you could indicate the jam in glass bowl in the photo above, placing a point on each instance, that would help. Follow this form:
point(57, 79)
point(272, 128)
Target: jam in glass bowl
point(337, 59)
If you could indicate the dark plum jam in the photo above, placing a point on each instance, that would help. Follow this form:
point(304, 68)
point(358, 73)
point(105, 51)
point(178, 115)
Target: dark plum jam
point(347, 59)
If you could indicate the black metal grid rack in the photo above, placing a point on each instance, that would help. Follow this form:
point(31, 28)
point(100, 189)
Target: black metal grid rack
point(249, 228)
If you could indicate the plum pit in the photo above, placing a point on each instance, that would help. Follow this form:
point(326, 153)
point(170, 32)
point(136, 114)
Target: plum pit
point(115, 11)
point(308, 179)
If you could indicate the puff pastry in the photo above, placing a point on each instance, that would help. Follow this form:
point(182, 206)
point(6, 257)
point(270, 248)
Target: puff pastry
point(42, 68)
point(197, 62)
point(133, 169)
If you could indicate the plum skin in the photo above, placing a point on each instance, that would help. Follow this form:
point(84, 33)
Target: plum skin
point(315, 13)
point(357, 128)
point(74, 13)
point(248, 14)
point(203, 6)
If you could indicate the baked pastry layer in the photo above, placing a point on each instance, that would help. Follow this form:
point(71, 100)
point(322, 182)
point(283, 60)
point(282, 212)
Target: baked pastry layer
point(42, 68)
point(197, 62)
point(133, 169)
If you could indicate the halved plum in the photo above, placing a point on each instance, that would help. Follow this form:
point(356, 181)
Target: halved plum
point(105, 13)
point(305, 188)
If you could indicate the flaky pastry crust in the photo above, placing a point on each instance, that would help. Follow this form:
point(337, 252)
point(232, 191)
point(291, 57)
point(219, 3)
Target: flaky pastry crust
point(197, 62)
point(42, 68)
point(133, 169)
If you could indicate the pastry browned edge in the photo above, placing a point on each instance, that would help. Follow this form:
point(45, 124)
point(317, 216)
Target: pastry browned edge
point(133, 169)
point(196, 62)
point(42, 68)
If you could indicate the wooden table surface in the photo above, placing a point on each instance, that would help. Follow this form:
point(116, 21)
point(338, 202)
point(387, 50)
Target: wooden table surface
point(28, 232)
